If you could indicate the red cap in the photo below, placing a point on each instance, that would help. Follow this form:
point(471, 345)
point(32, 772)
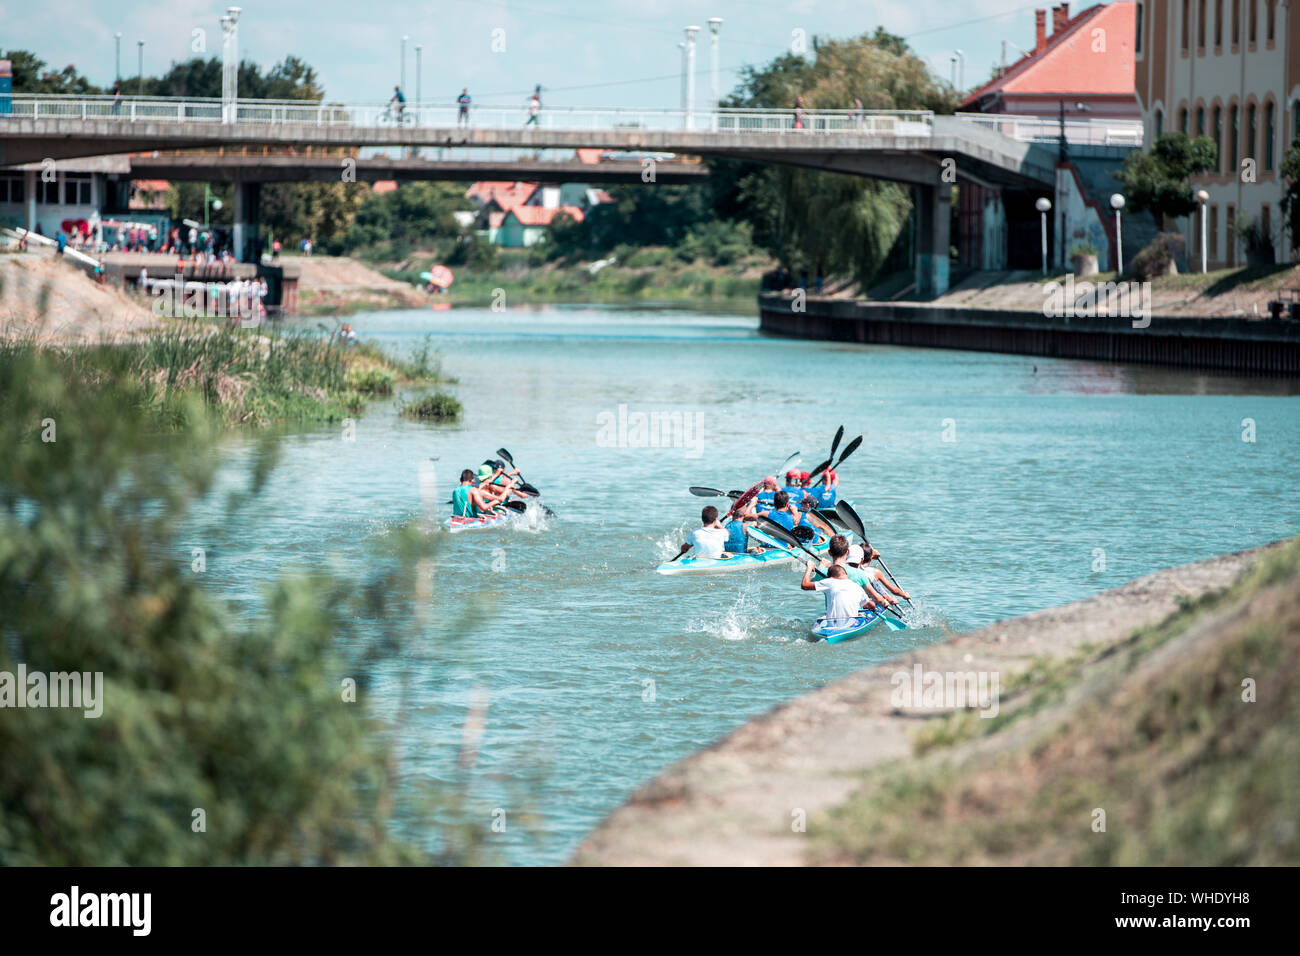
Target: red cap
point(791, 475)
point(804, 476)
point(770, 480)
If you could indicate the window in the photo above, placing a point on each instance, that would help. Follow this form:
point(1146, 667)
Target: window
point(1270, 124)
point(1187, 19)
point(1252, 144)
point(78, 189)
point(1236, 22)
point(1252, 27)
point(1200, 121)
point(1232, 138)
point(1270, 20)
point(1218, 140)
point(1182, 121)
point(48, 193)
point(1200, 25)
point(1218, 23)
point(1229, 236)
point(1137, 45)
point(1214, 232)
point(1160, 123)
point(1266, 221)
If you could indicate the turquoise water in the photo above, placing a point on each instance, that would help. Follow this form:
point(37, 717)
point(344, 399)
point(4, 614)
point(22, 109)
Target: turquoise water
point(1060, 479)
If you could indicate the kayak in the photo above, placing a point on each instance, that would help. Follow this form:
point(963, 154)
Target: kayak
point(846, 630)
point(773, 553)
point(459, 523)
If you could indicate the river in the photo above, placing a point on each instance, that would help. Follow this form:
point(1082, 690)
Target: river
point(993, 484)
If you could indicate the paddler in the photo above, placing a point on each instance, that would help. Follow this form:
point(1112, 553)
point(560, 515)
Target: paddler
point(710, 538)
point(826, 493)
point(879, 581)
point(468, 501)
point(784, 513)
point(844, 599)
point(770, 488)
point(491, 485)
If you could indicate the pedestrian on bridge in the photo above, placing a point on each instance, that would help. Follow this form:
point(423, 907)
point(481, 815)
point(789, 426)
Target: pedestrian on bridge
point(463, 101)
point(534, 110)
point(798, 112)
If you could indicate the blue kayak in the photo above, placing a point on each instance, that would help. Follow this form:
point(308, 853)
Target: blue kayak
point(838, 632)
point(772, 554)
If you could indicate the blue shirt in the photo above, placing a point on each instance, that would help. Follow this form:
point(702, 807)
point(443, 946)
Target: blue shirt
point(736, 537)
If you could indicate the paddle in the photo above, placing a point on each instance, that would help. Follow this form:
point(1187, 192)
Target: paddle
point(700, 491)
point(850, 517)
point(849, 449)
point(839, 434)
point(781, 534)
point(505, 455)
point(685, 548)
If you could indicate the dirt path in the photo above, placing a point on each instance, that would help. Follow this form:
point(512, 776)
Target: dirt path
point(733, 804)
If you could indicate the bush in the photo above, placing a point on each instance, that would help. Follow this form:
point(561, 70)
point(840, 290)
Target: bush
point(1160, 256)
point(438, 407)
point(371, 381)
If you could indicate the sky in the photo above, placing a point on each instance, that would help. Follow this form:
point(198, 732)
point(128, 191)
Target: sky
point(600, 53)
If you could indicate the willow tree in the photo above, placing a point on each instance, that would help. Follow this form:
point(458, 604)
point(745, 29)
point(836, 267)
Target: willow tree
point(847, 225)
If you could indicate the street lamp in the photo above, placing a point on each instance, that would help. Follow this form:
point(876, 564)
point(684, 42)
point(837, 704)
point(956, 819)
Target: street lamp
point(960, 58)
point(209, 199)
point(714, 24)
point(117, 56)
point(402, 81)
point(1044, 205)
point(1203, 197)
point(140, 45)
point(690, 75)
point(418, 47)
point(1117, 203)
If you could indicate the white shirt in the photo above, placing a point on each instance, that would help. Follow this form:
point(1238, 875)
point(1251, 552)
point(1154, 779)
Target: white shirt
point(707, 542)
point(843, 598)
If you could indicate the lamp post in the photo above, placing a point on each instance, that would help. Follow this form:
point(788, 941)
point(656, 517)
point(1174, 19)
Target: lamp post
point(140, 46)
point(418, 48)
point(117, 57)
point(960, 57)
point(714, 24)
point(1203, 197)
point(690, 75)
point(1117, 203)
point(230, 64)
point(402, 79)
point(208, 198)
point(1044, 205)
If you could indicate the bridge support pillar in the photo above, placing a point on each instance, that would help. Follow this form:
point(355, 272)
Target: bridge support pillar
point(29, 191)
point(933, 205)
point(244, 238)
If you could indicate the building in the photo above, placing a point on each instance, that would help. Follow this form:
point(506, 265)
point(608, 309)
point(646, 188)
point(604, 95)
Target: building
point(518, 214)
point(1230, 70)
point(1082, 70)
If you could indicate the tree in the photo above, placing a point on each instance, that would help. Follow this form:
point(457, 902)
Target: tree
point(1157, 181)
point(1291, 197)
point(31, 74)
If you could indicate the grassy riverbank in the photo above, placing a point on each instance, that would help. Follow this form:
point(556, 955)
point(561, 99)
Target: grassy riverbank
point(1158, 732)
point(649, 274)
point(242, 377)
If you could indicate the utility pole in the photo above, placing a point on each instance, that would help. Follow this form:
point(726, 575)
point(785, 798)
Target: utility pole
point(140, 72)
point(117, 59)
point(402, 79)
point(230, 65)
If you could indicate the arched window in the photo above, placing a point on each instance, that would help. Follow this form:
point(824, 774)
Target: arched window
point(1236, 22)
point(1160, 123)
point(1200, 121)
point(1252, 24)
point(1269, 136)
point(1218, 139)
point(1201, 24)
point(1270, 20)
point(1218, 23)
point(1187, 23)
point(1182, 120)
point(1252, 144)
point(1232, 138)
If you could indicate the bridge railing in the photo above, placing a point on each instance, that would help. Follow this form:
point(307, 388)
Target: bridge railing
point(133, 109)
point(1091, 131)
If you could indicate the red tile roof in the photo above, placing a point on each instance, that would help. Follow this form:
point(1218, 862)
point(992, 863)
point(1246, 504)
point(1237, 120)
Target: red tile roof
point(1070, 65)
point(541, 216)
point(506, 195)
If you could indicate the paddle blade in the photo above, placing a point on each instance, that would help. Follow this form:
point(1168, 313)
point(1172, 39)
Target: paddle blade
point(528, 489)
point(831, 518)
point(777, 531)
point(517, 506)
point(839, 436)
point(700, 492)
point(502, 453)
point(851, 520)
point(852, 447)
point(819, 469)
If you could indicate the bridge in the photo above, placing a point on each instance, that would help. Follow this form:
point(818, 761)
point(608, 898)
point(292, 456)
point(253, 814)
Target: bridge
point(919, 149)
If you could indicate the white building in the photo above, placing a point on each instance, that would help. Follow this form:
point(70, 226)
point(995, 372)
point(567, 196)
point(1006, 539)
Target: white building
point(1230, 70)
point(48, 197)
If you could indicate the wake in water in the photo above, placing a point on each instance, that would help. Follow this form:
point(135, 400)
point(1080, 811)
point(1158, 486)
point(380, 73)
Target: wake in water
point(742, 621)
